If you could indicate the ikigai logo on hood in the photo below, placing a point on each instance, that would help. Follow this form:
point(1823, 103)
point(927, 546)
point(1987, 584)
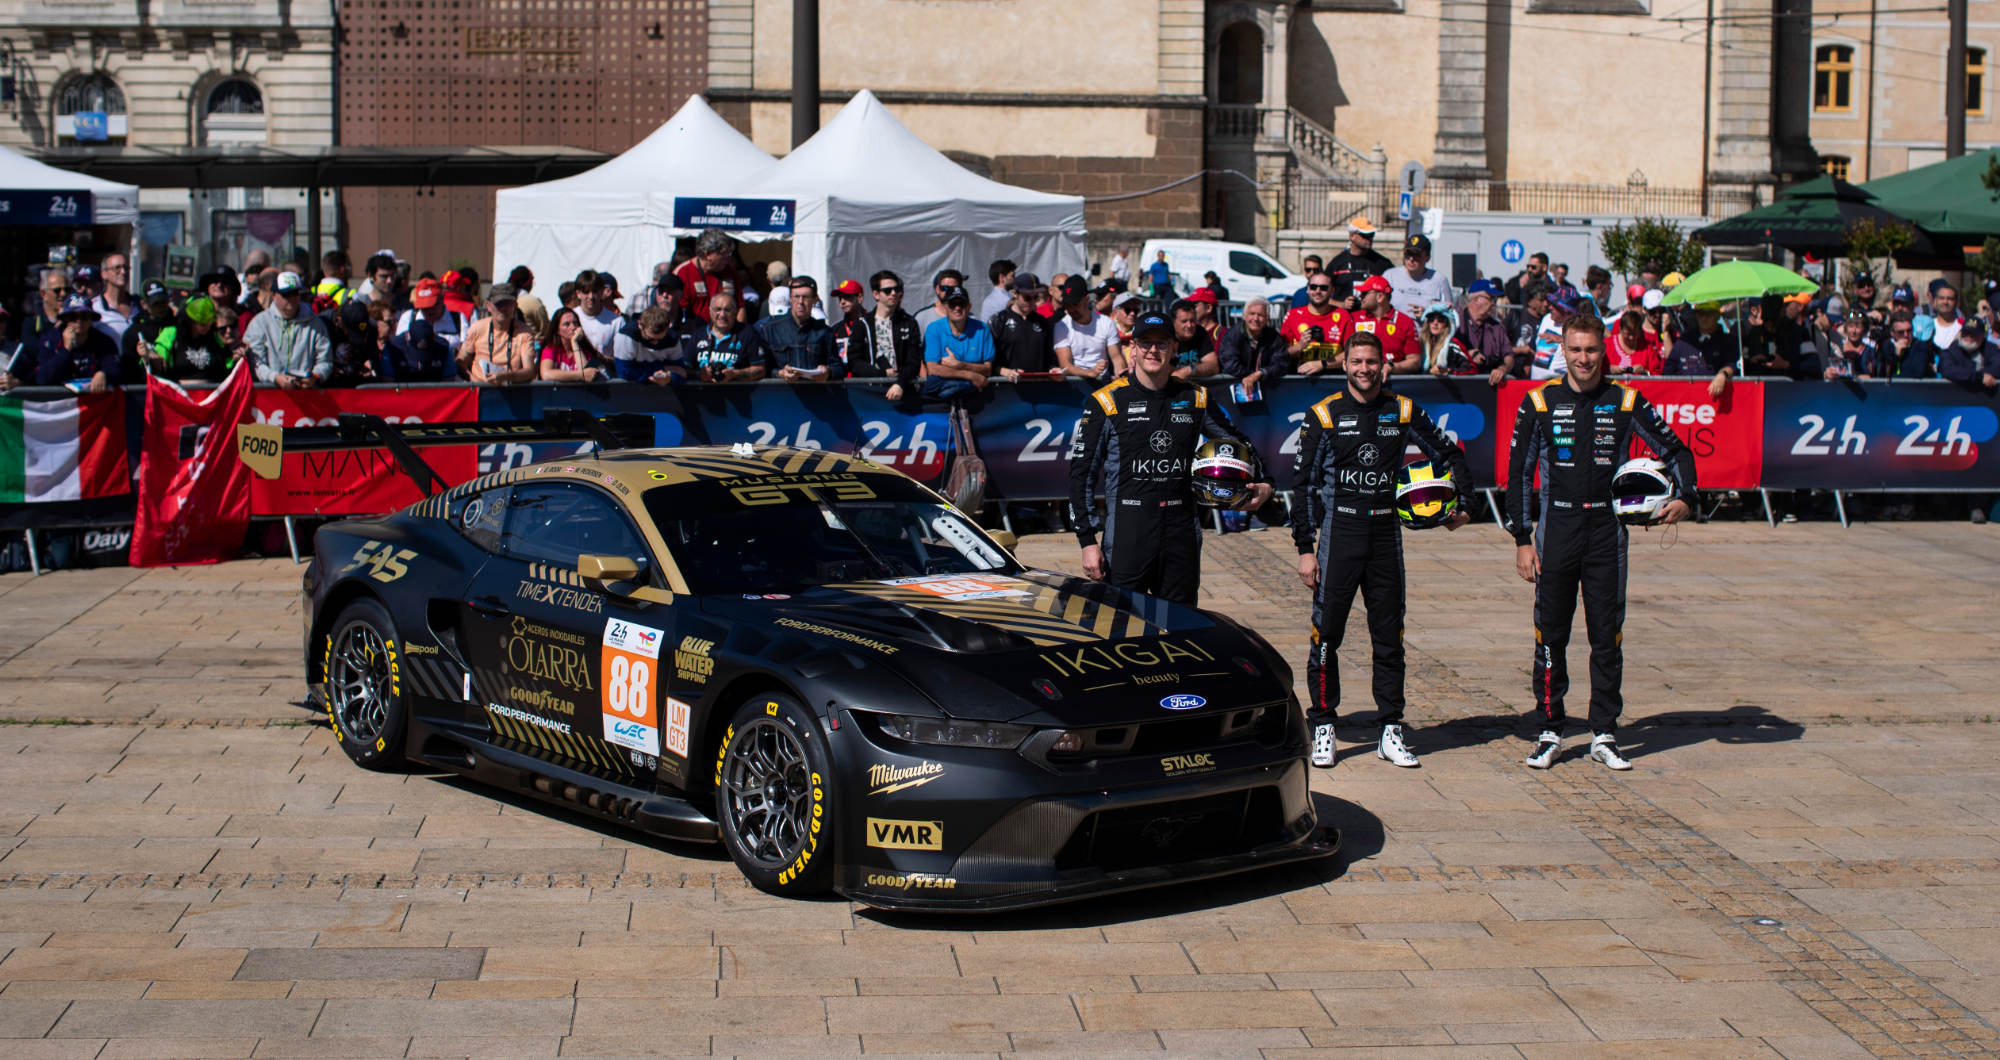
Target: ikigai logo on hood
point(1183, 702)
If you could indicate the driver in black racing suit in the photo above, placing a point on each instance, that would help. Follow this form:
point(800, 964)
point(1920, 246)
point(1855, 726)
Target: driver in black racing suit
point(1141, 431)
point(1575, 432)
point(1344, 490)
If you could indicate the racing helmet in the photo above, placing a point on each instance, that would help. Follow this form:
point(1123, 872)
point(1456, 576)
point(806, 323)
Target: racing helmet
point(1426, 496)
point(1638, 489)
point(1221, 473)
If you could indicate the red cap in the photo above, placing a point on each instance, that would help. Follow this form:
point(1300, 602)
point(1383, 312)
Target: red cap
point(1373, 283)
point(425, 294)
point(1203, 294)
point(1635, 292)
point(456, 280)
point(848, 287)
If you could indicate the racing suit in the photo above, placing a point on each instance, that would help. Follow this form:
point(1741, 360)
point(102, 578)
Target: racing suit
point(1575, 442)
point(1345, 492)
point(1144, 441)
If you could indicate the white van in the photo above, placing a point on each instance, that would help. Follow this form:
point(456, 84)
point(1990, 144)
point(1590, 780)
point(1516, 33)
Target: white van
point(1245, 270)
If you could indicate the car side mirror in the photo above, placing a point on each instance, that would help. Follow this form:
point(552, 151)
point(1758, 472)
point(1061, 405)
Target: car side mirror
point(609, 574)
point(1004, 538)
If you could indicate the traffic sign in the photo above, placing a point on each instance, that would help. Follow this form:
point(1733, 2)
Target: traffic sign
point(1413, 177)
point(1403, 206)
point(1512, 251)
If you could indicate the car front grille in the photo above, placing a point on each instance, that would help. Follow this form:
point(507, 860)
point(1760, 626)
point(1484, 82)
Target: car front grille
point(1168, 833)
point(1203, 732)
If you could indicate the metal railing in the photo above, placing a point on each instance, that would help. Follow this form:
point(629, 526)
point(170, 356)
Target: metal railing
point(1314, 203)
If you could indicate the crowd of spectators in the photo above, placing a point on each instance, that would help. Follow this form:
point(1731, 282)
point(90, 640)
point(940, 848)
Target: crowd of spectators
point(703, 318)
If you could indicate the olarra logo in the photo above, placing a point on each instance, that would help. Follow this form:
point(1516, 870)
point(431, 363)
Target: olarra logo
point(1183, 702)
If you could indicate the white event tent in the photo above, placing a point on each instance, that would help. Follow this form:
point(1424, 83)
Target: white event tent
point(872, 195)
point(36, 193)
point(619, 216)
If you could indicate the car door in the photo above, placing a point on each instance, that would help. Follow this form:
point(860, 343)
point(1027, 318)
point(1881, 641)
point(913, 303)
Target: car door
point(560, 667)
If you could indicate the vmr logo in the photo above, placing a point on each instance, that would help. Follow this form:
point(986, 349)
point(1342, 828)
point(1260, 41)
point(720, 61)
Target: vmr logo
point(888, 834)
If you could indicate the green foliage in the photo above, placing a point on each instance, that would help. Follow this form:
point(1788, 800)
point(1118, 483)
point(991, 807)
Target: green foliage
point(1986, 263)
point(1651, 240)
point(1875, 243)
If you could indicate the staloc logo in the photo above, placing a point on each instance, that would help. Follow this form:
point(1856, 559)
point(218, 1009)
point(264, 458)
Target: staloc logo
point(1183, 702)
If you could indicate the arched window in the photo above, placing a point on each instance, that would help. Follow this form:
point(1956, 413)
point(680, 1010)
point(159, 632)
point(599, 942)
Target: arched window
point(90, 110)
point(233, 113)
point(1833, 79)
point(1239, 65)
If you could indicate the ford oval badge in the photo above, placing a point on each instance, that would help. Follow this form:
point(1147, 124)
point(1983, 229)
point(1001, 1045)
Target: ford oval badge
point(1183, 702)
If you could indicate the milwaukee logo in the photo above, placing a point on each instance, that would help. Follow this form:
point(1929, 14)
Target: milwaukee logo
point(883, 779)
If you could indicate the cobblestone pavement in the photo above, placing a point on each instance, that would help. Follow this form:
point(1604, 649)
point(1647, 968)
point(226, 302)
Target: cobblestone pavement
point(1805, 861)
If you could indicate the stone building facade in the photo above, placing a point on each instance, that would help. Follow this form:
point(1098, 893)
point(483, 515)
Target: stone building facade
point(1878, 85)
point(173, 74)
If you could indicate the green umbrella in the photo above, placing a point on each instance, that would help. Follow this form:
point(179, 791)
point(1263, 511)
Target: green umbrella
point(1733, 280)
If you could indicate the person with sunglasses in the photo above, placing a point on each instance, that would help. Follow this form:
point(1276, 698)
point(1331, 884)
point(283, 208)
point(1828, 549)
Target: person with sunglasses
point(113, 302)
point(1312, 332)
point(55, 288)
point(887, 343)
point(1140, 432)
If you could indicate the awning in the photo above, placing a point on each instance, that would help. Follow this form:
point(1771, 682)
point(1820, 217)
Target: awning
point(307, 167)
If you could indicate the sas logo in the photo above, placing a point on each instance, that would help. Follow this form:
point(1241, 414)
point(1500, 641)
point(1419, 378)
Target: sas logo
point(1183, 702)
point(887, 834)
point(1185, 765)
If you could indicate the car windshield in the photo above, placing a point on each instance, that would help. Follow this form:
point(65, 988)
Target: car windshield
point(777, 535)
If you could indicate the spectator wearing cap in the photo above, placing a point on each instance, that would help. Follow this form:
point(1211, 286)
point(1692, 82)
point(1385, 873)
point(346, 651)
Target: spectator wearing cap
point(713, 268)
point(651, 295)
point(850, 339)
point(193, 347)
point(1124, 312)
point(958, 350)
point(522, 279)
point(357, 342)
point(1629, 349)
point(1971, 360)
point(890, 345)
point(1534, 272)
point(1086, 341)
point(1206, 302)
point(600, 321)
point(1358, 262)
point(1161, 276)
point(110, 283)
point(1413, 285)
point(1701, 347)
point(1899, 353)
point(289, 347)
point(946, 281)
point(136, 347)
point(778, 281)
point(1314, 329)
point(1253, 351)
point(500, 347)
point(667, 295)
point(800, 345)
point(1308, 265)
point(725, 350)
point(1437, 342)
point(418, 355)
point(427, 302)
point(458, 291)
point(1024, 341)
point(648, 350)
point(1483, 335)
point(1394, 328)
point(1001, 275)
point(74, 353)
point(1861, 299)
point(1853, 353)
point(1635, 294)
point(1547, 361)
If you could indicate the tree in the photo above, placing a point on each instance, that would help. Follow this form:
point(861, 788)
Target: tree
point(1875, 243)
point(1986, 263)
point(1651, 241)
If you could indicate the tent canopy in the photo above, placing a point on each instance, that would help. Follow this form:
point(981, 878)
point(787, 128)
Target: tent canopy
point(620, 215)
point(871, 194)
point(30, 191)
point(1813, 216)
point(1946, 198)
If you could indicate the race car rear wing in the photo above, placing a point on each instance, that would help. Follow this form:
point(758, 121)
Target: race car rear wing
point(263, 446)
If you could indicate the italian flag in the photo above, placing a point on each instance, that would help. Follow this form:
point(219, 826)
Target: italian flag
point(68, 450)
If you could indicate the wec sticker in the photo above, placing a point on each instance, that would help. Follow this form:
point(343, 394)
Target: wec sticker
point(631, 719)
point(959, 587)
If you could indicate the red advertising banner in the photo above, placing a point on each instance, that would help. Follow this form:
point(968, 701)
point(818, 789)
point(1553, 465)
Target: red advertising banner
point(1726, 434)
point(359, 481)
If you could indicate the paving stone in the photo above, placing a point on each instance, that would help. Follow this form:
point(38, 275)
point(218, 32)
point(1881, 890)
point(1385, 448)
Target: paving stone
point(186, 1019)
point(364, 1018)
point(361, 963)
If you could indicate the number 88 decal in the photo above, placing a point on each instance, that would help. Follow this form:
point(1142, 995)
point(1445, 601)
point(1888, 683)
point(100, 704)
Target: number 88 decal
point(629, 688)
point(631, 659)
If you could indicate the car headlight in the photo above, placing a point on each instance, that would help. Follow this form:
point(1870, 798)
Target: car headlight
point(950, 732)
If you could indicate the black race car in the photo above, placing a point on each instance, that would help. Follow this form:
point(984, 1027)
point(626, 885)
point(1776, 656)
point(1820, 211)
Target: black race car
point(808, 656)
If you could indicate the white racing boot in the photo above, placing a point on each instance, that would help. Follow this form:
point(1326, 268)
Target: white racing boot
point(1393, 750)
point(1323, 750)
point(1604, 748)
point(1547, 746)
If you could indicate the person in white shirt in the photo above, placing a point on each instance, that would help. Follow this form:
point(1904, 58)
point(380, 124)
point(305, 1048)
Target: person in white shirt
point(1413, 285)
point(598, 316)
point(1121, 267)
point(427, 298)
point(1086, 340)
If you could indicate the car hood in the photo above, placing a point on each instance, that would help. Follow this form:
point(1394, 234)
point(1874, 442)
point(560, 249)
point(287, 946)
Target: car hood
point(1037, 646)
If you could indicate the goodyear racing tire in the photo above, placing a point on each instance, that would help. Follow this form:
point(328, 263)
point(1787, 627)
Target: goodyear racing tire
point(364, 687)
point(774, 796)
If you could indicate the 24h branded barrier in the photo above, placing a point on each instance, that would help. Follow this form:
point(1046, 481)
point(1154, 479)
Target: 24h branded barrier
point(1917, 436)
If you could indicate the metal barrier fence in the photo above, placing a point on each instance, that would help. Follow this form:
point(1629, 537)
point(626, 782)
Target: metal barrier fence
point(1313, 203)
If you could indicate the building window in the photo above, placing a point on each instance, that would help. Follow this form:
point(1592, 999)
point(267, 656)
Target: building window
point(233, 113)
point(90, 110)
point(1975, 82)
point(1833, 78)
point(1834, 166)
